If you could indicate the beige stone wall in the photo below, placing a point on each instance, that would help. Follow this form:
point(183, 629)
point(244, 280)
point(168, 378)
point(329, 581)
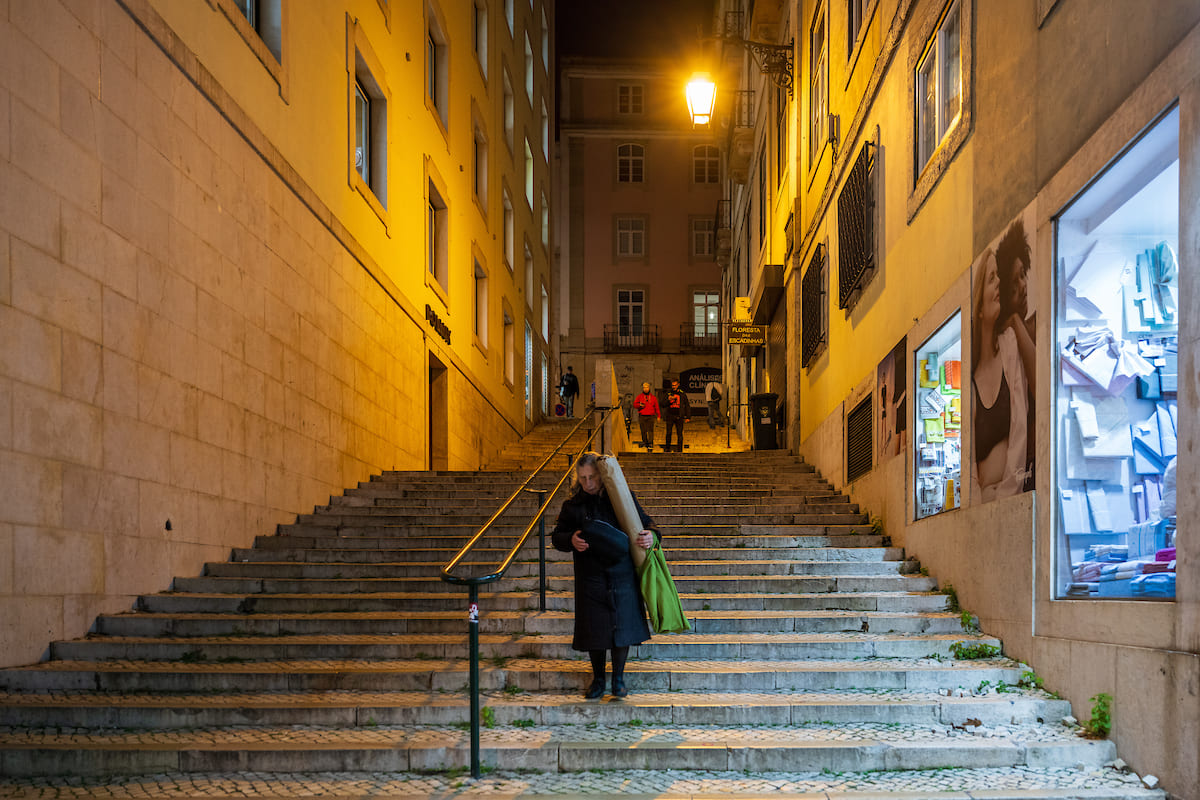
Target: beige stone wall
point(192, 349)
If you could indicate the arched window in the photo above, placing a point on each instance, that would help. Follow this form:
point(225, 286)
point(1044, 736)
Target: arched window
point(631, 160)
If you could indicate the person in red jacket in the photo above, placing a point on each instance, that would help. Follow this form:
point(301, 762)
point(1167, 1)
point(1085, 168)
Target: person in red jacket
point(646, 405)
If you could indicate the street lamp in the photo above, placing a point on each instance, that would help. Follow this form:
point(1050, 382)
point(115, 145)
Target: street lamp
point(701, 95)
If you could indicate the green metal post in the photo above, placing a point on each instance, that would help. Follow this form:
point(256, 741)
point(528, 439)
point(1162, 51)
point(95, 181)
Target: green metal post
point(473, 633)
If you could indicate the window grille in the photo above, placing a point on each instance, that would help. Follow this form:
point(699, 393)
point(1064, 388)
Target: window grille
point(812, 307)
point(856, 228)
point(858, 440)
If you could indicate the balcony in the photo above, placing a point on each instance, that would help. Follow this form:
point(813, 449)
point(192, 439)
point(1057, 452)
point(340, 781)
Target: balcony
point(632, 339)
point(700, 340)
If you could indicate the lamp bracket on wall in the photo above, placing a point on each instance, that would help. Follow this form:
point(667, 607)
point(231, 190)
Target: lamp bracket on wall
point(774, 60)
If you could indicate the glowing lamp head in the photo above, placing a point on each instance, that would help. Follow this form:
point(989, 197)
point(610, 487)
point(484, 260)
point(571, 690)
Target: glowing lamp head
point(701, 95)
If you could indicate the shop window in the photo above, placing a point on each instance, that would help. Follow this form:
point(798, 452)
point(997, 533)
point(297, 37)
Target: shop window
point(1116, 390)
point(937, 421)
point(814, 310)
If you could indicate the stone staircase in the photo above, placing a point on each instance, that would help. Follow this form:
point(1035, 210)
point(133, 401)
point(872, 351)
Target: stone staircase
point(330, 658)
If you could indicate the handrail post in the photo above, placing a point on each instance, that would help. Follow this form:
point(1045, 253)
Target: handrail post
point(541, 493)
point(473, 635)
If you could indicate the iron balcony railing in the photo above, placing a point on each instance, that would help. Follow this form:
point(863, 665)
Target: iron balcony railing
point(702, 339)
point(546, 497)
point(632, 339)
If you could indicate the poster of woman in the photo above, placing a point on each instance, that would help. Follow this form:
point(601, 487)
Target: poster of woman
point(890, 386)
point(1003, 358)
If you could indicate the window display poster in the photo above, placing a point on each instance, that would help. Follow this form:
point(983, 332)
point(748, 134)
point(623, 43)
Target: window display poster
point(1003, 358)
point(890, 385)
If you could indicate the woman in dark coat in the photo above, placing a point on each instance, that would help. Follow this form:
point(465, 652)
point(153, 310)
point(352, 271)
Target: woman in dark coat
point(609, 613)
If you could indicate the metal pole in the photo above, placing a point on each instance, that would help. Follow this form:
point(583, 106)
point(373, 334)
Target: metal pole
point(473, 635)
point(542, 552)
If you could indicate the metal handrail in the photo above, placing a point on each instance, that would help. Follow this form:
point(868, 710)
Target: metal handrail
point(473, 584)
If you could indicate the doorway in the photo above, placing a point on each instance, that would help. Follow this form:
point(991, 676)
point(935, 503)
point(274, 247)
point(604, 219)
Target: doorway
point(439, 416)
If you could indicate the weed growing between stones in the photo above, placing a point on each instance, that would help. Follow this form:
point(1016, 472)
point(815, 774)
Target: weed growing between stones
point(951, 597)
point(523, 723)
point(1100, 724)
point(970, 652)
point(487, 717)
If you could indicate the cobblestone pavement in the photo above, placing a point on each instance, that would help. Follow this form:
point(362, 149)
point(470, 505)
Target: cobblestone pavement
point(663, 785)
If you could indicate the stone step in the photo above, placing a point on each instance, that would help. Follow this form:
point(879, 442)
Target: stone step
point(999, 783)
point(712, 584)
point(555, 748)
point(417, 554)
point(718, 646)
point(512, 622)
point(675, 539)
point(557, 566)
point(422, 519)
point(560, 600)
point(351, 708)
point(517, 674)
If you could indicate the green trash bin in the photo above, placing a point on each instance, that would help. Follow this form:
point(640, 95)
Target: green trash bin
point(764, 420)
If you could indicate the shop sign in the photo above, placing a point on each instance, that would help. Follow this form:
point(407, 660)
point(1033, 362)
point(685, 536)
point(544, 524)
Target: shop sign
point(435, 322)
point(746, 334)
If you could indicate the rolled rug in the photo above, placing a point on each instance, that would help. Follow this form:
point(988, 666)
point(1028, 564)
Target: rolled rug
point(622, 503)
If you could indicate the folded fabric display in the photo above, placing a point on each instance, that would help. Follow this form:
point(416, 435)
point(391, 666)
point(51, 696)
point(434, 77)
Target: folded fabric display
point(1095, 355)
point(1080, 589)
point(1160, 585)
point(1087, 572)
point(1153, 567)
point(1107, 553)
point(1165, 554)
point(1120, 572)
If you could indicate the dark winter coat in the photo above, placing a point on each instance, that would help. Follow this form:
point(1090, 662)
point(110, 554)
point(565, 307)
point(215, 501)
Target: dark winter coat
point(675, 405)
point(608, 603)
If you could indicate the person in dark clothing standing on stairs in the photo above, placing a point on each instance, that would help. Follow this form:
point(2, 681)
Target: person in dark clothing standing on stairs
point(568, 387)
point(676, 411)
point(609, 612)
point(646, 405)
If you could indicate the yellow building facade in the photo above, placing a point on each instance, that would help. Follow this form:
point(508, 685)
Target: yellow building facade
point(252, 252)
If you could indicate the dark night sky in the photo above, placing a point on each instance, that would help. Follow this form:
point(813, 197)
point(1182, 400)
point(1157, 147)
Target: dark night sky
point(631, 28)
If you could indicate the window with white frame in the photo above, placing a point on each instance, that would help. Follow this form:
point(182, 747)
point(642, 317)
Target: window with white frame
point(631, 163)
point(480, 321)
point(509, 112)
point(706, 164)
point(369, 149)
point(545, 314)
point(938, 85)
point(545, 222)
point(437, 71)
point(480, 34)
point(436, 233)
point(528, 277)
point(706, 312)
point(509, 347)
point(629, 98)
point(818, 89)
point(631, 311)
point(479, 158)
point(266, 19)
point(631, 237)
point(545, 41)
point(855, 19)
point(528, 370)
point(528, 69)
point(509, 243)
point(703, 236)
point(528, 174)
